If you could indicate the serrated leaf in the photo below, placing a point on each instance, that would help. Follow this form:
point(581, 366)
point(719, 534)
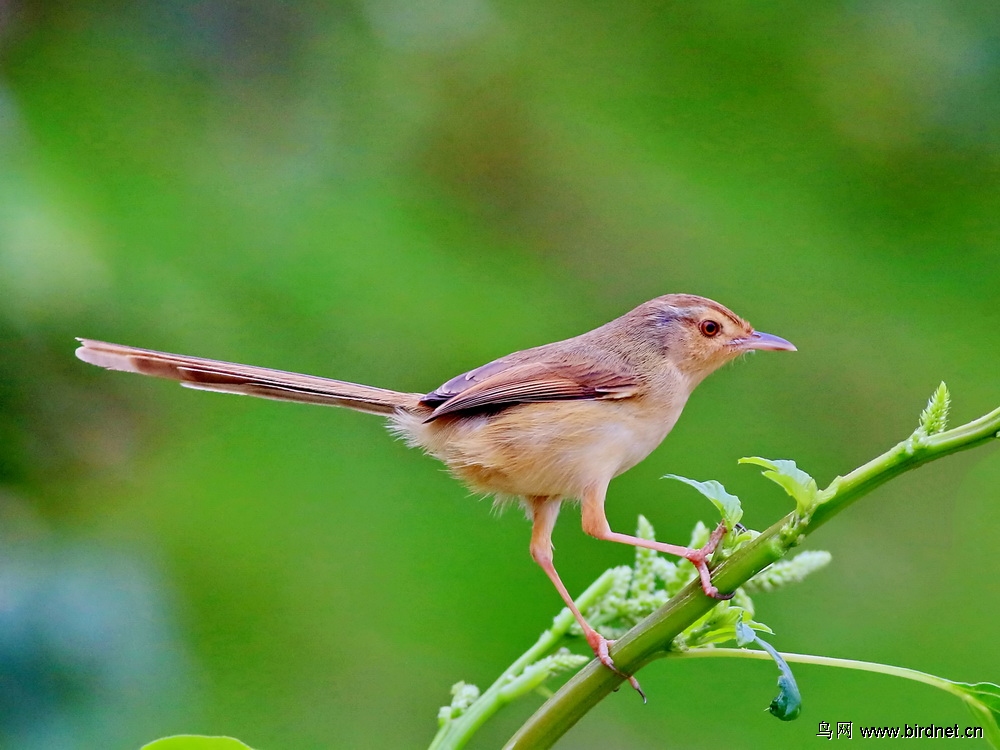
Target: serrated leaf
point(800, 486)
point(196, 742)
point(723, 623)
point(983, 699)
point(728, 505)
point(986, 693)
point(787, 704)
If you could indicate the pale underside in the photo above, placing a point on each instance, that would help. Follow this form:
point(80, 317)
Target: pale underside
point(553, 449)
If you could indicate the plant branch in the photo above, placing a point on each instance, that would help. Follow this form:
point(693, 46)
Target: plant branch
point(982, 698)
point(455, 732)
point(825, 661)
point(652, 637)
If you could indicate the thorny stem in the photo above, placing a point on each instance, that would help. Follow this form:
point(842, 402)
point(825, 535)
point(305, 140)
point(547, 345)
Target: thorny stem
point(652, 637)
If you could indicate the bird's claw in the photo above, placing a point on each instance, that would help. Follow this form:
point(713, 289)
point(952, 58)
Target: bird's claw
point(714, 593)
point(699, 558)
point(600, 646)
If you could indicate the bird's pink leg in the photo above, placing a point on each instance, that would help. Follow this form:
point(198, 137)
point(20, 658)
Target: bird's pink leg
point(544, 512)
point(595, 523)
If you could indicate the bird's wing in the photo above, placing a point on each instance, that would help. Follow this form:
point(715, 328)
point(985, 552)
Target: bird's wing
point(503, 383)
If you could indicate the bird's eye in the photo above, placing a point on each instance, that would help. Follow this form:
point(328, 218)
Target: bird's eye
point(709, 328)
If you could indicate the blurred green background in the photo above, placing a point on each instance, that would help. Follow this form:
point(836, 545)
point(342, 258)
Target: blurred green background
point(394, 192)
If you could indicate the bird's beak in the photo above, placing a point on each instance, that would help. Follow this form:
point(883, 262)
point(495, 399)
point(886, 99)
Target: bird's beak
point(766, 342)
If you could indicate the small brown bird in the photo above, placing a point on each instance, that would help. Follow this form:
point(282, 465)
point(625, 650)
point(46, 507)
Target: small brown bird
point(544, 425)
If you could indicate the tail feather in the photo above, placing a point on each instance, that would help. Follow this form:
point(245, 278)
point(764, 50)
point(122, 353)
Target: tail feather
point(228, 377)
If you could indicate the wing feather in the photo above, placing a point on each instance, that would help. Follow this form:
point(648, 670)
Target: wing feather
point(503, 383)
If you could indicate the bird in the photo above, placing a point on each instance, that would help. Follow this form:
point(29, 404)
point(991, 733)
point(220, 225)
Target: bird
point(542, 426)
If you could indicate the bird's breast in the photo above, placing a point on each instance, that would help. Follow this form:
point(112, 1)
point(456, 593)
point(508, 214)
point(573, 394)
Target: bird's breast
point(544, 449)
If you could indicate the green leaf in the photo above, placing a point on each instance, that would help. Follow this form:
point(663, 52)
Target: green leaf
point(196, 742)
point(983, 699)
point(728, 505)
point(720, 624)
point(787, 704)
point(799, 485)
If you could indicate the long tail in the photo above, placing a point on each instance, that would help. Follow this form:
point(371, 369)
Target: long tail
point(227, 377)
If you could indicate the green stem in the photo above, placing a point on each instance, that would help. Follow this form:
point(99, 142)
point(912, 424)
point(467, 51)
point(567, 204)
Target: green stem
point(652, 637)
point(455, 733)
point(826, 661)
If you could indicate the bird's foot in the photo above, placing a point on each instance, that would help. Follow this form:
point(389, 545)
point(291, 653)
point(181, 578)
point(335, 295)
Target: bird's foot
point(699, 557)
point(600, 645)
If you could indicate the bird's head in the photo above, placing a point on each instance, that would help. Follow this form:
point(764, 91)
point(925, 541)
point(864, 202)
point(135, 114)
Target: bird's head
point(698, 335)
